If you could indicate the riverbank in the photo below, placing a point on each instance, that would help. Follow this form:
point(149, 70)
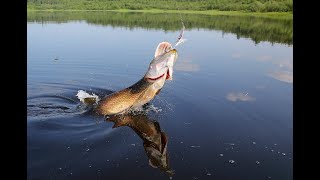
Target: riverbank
point(276, 15)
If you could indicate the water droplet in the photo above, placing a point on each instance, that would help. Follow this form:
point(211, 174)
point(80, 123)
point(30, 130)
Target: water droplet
point(208, 174)
point(88, 149)
point(284, 154)
point(231, 144)
point(271, 150)
point(133, 144)
point(84, 139)
point(170, 177)
point(68, 147)
point(275, 144)
point(181, 142)
point(71, 173)
point(231, 161)
point(278, 152)
point(195, 146)
point(257, 162)
point(221, 155)
point(254, 143)
point(60, 168)
point(90, 165)
point(127, 158)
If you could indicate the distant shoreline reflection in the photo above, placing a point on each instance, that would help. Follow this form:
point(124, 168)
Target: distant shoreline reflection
point(278, 31)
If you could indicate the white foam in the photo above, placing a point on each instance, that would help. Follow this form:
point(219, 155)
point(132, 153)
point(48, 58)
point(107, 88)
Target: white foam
point(140, 109)
point(83, 94)
point(154, 108)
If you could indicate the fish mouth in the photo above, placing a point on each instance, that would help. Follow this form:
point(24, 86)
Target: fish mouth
point(156, 78)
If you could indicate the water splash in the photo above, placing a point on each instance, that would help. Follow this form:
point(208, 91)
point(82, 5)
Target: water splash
point(82, 95)
point(153, 108)
point(146, 110)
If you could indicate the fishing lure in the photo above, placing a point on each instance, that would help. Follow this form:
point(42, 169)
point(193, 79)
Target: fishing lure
point(180, 39)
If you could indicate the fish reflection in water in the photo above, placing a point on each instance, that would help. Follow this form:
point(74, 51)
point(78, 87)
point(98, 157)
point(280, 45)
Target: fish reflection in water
point(155, 141)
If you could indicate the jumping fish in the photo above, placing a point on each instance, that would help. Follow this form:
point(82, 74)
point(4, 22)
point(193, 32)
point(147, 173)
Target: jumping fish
point(143, 91)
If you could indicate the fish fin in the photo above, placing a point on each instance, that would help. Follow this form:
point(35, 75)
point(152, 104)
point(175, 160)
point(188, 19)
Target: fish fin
point(90, 100)
point(157, 126)
point(164, 143)
point(151, 164)
point(158, 92)
point(119, 120)
point(162, 48)
point(119, 124)
point(170, 172)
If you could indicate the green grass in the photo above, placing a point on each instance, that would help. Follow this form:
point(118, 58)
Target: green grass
point(276, 15)
point(195, 5)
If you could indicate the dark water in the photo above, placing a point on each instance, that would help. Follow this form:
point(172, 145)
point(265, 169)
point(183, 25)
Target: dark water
point(227, 113)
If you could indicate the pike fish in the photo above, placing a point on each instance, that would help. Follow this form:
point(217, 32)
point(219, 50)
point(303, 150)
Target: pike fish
point(160, 69)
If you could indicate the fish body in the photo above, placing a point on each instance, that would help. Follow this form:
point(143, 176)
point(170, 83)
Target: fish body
point(160, 70)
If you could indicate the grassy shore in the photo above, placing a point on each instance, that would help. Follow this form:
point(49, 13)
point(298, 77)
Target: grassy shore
point(275, 15)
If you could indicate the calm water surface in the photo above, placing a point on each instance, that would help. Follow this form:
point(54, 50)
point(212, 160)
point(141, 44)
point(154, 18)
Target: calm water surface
point(227, 113)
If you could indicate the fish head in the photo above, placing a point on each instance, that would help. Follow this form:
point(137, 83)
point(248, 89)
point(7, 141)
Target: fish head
point(161, 67)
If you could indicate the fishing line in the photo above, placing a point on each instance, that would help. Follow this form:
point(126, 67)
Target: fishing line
point(180, 17)
point(180, 39)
